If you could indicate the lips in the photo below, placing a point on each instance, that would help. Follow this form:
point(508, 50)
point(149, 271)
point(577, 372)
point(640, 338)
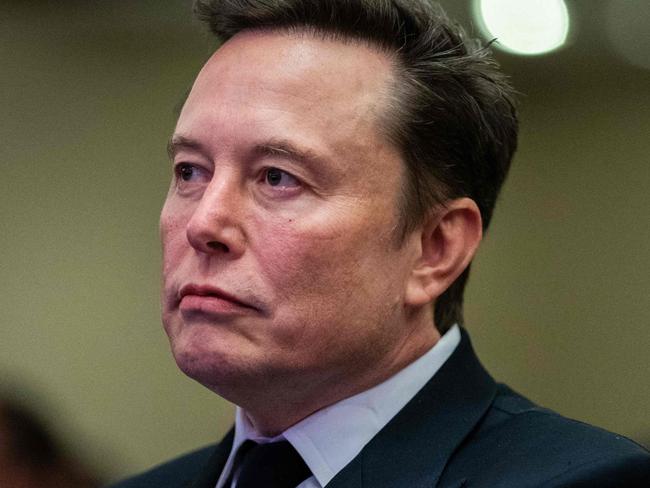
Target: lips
point(212, 300)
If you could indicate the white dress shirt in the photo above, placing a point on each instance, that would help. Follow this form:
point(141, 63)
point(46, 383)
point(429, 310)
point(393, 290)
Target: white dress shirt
point(330, 438)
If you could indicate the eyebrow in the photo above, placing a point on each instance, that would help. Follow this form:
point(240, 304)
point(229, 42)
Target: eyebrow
point(177, 142)
point(275, 147)
point(286, 149)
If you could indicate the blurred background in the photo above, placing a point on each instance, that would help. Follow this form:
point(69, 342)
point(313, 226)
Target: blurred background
point(558, 303)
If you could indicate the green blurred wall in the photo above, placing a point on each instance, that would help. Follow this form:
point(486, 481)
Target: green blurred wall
point(557, 305)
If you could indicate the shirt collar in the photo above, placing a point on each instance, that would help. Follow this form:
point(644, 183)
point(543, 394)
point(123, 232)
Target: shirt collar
point(330, 438)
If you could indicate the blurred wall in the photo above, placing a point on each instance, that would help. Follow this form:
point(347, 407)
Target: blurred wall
point(557, 304)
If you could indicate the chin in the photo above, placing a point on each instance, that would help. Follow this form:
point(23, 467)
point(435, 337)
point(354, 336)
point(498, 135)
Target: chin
point(216, 364)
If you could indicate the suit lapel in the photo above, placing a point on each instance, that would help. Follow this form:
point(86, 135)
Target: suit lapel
point(211, 471)
point(414, 447)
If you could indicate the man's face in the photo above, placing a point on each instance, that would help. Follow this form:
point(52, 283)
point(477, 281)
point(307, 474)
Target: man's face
point(281, 264)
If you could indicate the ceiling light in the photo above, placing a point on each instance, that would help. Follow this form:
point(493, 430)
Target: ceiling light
point(524, 26)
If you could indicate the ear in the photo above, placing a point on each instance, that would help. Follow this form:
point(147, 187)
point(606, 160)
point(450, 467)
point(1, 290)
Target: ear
point(449, 239)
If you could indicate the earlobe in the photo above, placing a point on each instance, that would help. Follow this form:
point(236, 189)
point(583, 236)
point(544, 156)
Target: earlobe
point(450, 237)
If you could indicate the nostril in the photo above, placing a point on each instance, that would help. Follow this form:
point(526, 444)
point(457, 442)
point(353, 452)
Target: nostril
point(218, 246)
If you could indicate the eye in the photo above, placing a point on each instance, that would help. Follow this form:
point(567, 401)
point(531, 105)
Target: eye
point(280, 179)
point(190, 177)
point(185, 171)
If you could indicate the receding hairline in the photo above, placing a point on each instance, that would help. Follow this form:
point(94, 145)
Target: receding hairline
point(315, 31)
point(388, 94)
point(298, 32)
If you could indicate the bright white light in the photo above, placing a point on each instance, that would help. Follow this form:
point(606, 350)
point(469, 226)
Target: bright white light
point(525, 26)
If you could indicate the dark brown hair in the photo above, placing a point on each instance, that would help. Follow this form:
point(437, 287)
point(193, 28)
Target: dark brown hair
point(452, 114)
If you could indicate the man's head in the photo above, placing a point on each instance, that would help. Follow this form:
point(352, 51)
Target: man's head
point(450, 111)
point(302, 245)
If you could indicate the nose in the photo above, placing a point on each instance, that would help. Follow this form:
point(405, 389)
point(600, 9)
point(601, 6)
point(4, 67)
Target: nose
point(215, 226)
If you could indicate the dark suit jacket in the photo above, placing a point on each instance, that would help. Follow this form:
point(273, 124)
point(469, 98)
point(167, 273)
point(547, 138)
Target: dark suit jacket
point(461, 430)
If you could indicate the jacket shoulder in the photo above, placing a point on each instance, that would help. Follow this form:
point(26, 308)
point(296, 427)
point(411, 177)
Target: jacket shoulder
point(177, 472)
point(521, 444)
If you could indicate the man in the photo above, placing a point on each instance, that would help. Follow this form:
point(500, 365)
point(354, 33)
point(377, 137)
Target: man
point(335, 165)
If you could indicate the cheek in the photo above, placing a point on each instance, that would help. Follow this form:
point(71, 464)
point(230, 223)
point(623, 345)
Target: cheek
point(333, 302)
point(173, 238)
point(326, 270)
point(298, 262)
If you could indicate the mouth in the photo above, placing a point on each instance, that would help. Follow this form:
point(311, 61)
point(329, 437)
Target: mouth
point(211, 300)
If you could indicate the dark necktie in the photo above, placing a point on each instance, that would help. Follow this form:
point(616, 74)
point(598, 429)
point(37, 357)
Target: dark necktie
point(273, 465)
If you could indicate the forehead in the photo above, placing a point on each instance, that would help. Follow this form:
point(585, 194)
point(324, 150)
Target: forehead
point(298, 60)
point(317, 84)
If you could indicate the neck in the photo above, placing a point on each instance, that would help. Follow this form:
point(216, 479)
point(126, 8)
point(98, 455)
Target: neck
point(283, 407)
